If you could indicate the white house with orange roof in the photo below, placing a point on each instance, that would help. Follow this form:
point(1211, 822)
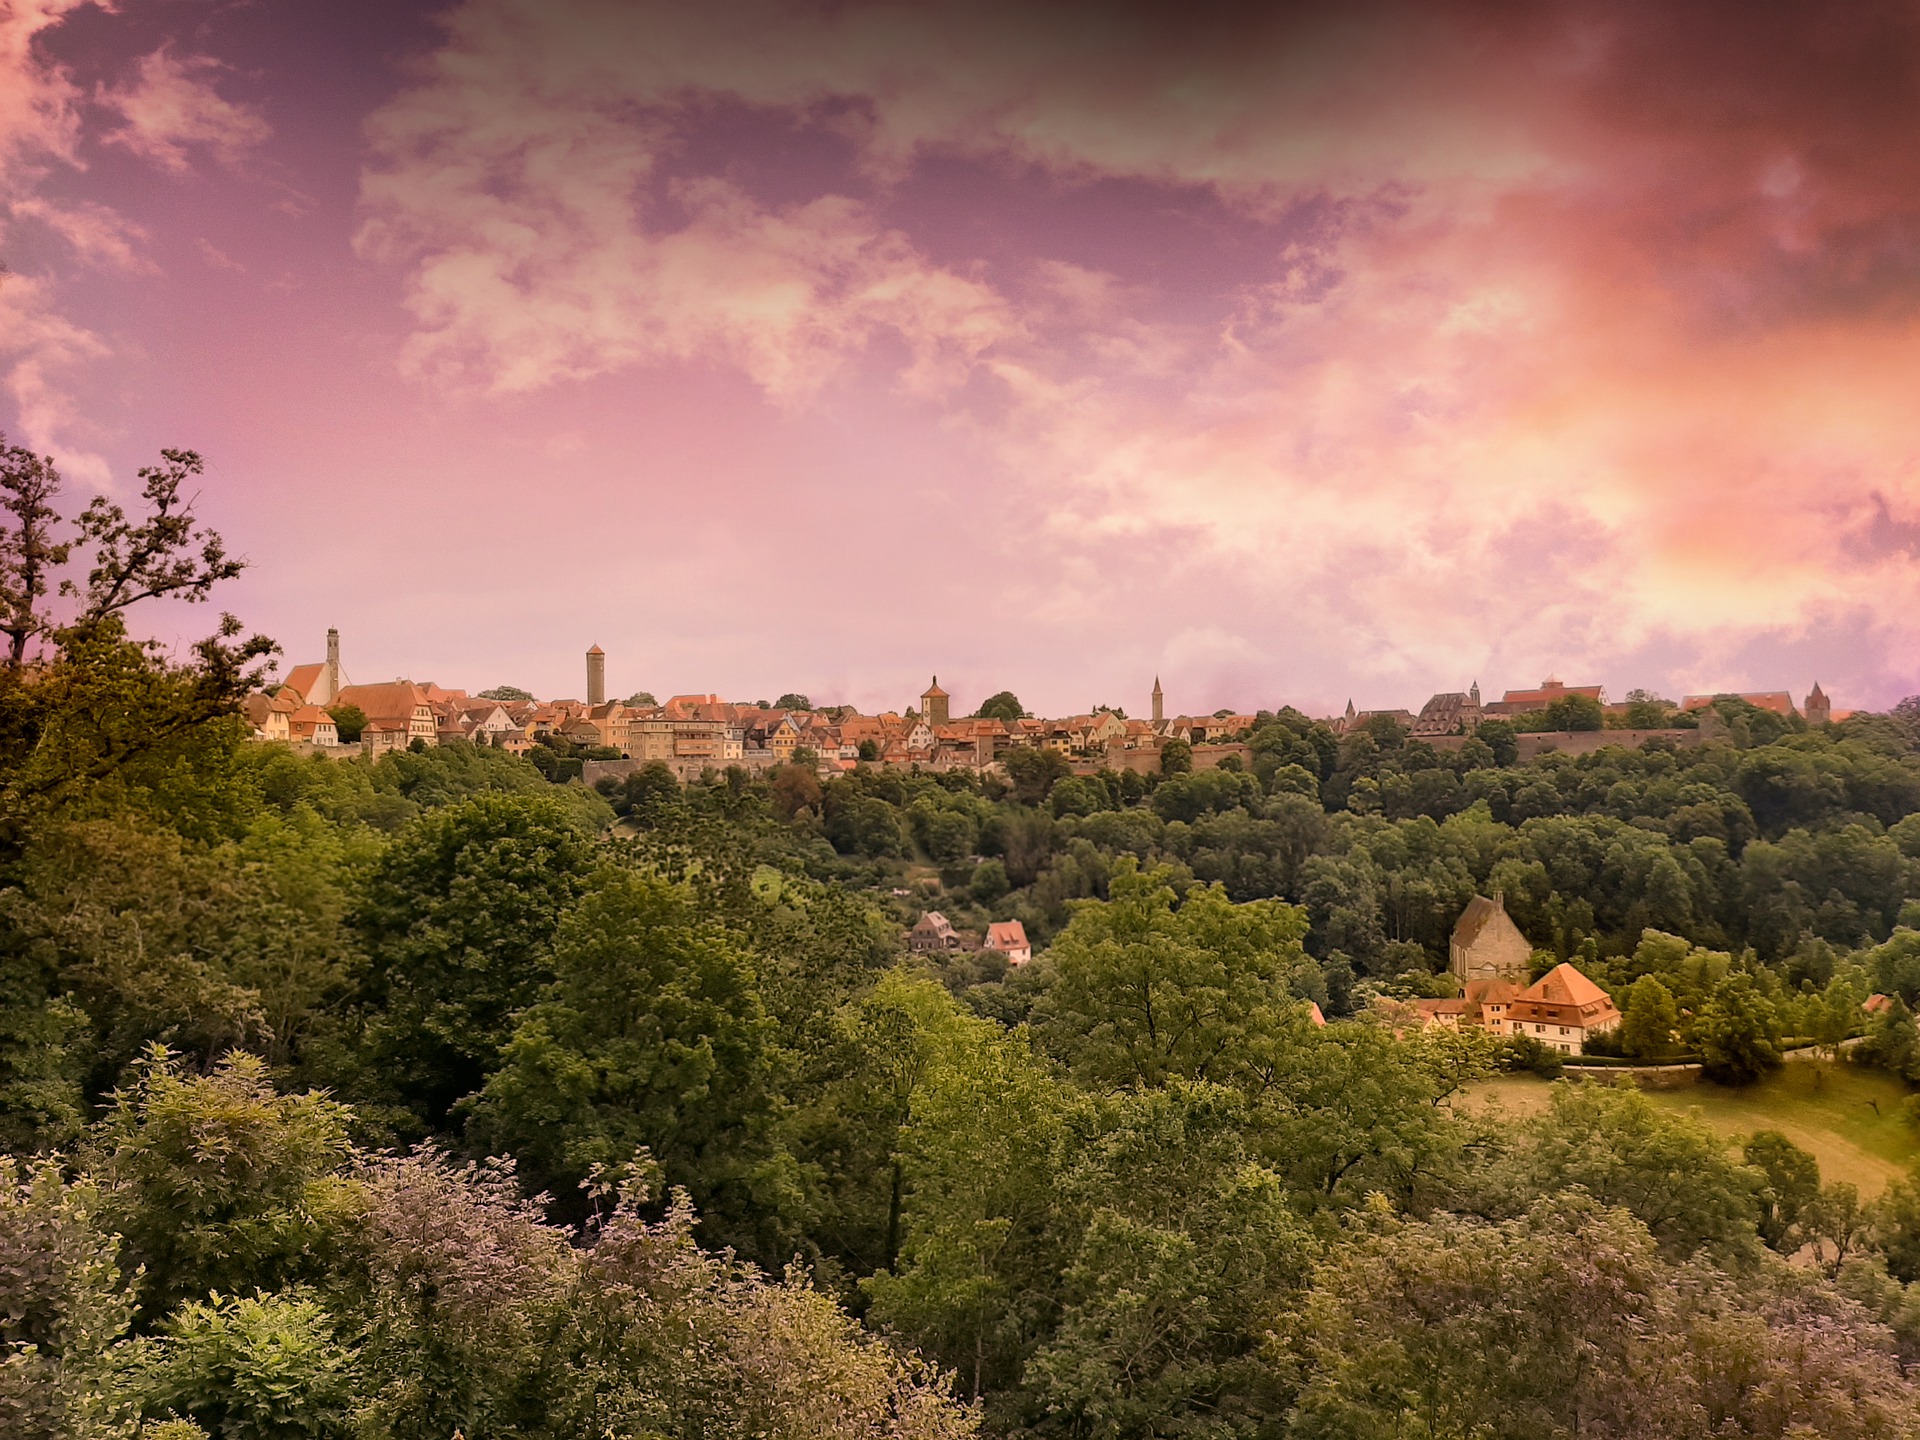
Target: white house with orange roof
point(1009, 937)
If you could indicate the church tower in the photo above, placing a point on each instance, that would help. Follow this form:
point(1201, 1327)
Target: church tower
point(1159, 702)
point(933, 704)
point(1819, 707)
point(330, 679)
point(596, 676)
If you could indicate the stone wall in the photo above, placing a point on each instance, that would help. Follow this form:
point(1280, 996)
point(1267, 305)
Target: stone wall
point(1534, 744)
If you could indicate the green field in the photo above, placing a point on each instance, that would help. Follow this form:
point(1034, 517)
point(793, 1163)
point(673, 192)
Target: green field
point(1848, 1117)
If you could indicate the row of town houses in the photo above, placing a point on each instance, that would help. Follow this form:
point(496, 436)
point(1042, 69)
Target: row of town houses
point(694, 733)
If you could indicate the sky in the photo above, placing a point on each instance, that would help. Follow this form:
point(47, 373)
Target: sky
point(1291, 353)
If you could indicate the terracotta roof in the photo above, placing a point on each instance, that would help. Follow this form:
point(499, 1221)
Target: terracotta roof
point(1492, 992)
point(934, 690)
point(596, 650)
point(1564, 985)
point(304, 677)
point(395, 700)
point(1006, 935)
point(1549, 692)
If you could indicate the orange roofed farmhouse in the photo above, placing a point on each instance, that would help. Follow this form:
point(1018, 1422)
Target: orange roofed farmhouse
point(1490, 956)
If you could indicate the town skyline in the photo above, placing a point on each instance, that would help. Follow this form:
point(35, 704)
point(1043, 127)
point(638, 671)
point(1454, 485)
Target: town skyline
point(874, 699)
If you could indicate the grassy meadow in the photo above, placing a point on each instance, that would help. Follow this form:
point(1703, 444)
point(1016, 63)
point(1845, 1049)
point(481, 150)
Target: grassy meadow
point(1850, 1118)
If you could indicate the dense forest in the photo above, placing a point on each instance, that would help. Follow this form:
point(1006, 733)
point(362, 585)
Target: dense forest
point(425, 1096)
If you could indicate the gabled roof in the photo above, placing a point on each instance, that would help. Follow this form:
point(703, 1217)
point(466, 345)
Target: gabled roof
point(304, 677)
point(396, 700)
point(1475, 918)
point(1007, 935)
point(1564, 985)
point(1549, 692)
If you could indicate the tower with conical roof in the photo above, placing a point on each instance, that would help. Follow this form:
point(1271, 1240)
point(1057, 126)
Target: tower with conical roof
point(1819, 707)
point(933, 703)
point(596, 676)
point(1159, 702)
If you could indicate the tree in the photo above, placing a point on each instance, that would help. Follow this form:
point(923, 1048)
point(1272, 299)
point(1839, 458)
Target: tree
point(1004, 706)
point(217, 1182)
point(1500, 737)
point(1150, 985)
point(1669, 1170)
point(1034, 772)
point(794, 788)
point(1176, 757)
point(869, 751)
point(641, 700)
point(511, 693)
point(349, 722)
point(1737, 1032)
point(1651, 1019)
point(94, 703)
point(1792, 1183)
point(792, 700)
point(653, 1036)
point(1556, 1322)
point(457, 917)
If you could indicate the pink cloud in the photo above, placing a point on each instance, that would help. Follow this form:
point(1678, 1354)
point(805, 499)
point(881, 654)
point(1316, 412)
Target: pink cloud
point(171, 108)
point(1557, 297)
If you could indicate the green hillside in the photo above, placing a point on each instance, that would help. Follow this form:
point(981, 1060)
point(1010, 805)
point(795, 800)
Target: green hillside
point(1848, 1117)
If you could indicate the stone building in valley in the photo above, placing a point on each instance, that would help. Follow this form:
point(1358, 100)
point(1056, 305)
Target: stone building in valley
point(1487, 945)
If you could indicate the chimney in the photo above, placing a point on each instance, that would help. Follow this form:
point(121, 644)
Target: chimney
point(332, 683)
point(1499, 899)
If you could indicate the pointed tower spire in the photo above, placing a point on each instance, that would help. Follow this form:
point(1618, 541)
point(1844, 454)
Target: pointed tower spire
point(1159, 702)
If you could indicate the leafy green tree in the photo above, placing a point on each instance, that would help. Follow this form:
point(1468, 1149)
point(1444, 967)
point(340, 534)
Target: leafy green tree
point(1151, 985)
point(879, 1055)
point(217, 1182)
point(792, 700)
point(93, 703)
point(1003, 706)
point(1651, 1019)
point(869, 752)
point(1500, 737)
point(1176, 757)
point(652, 1036)
point(1556, 1322)
point(457, 918)
point(64, 1310)
point(349, 721)
point(1352, 1110)
point(269, 1367)
point(512, 694)
point(1737, 1032)
point(1792, 1183)
point(977, 1269)
point(1179, 1246)
point(989, 882)
point(1034, 773)
point(1669, 1170)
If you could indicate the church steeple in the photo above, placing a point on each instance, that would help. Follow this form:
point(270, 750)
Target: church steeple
point(1159, 702)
